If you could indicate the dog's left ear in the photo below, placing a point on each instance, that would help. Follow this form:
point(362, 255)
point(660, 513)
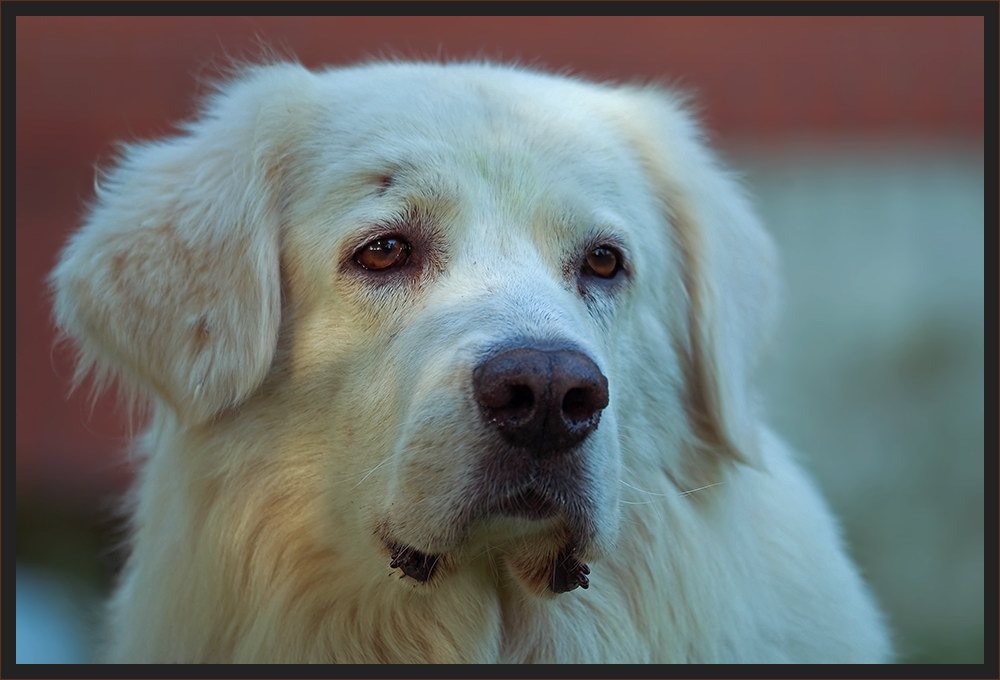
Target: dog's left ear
point(728, 266)
point(172, 285)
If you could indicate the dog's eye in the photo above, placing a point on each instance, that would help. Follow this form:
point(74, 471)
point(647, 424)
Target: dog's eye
point(382, 253)
point(603, 261)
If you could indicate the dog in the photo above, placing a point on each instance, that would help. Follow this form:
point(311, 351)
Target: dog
point(449, 363)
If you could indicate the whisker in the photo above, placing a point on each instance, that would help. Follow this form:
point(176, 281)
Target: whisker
point(690, 491)
point(369, 473)
point(651, 493)
point(663, 495)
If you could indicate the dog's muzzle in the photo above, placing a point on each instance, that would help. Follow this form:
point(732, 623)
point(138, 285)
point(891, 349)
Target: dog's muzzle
point(541, 402)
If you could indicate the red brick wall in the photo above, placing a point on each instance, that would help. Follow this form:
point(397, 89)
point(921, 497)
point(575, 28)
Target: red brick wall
point(83, 83)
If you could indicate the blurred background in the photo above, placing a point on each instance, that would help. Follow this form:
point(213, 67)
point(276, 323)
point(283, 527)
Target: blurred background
point(861, 139)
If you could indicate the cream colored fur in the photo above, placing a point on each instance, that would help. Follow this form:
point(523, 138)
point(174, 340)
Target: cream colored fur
point(302, 409)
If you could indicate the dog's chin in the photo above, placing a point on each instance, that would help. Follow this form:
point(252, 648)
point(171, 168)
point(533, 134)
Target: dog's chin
point(543, 545)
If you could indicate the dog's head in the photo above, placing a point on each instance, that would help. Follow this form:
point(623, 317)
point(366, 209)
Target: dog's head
point(469, 298)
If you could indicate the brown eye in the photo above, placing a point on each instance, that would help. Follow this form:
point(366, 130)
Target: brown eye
point(603, 262)
point(382, 253)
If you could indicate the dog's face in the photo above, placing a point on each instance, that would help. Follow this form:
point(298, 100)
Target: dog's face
point(467, 291)
point(483, 260)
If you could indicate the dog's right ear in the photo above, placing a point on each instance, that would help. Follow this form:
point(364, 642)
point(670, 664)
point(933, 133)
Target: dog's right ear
point(727, 265)
point(172, 285)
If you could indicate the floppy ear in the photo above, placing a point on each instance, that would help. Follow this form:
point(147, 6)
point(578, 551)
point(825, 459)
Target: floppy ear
point(172, 284)
point(729, 272)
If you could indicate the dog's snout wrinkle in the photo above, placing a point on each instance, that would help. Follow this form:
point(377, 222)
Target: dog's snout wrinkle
point(543, 400)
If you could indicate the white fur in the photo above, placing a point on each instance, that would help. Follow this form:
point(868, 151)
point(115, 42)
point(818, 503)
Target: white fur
point(301, 410)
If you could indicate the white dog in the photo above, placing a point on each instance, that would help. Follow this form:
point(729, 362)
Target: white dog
point(427, 347)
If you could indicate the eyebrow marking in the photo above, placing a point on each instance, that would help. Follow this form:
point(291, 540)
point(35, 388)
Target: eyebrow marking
point(384, 182)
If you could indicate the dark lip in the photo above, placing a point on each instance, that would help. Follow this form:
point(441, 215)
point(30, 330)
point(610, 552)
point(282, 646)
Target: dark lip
point(529, 503)
point(413, 563)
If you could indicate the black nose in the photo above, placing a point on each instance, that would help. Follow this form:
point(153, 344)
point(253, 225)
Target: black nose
point(544, 400)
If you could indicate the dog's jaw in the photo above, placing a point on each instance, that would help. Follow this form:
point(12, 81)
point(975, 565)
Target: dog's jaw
point(559, 574)
point(549, 575)
point(552, 566)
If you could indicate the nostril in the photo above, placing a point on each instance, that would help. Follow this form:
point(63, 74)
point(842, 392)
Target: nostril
point(522, 399)
point(510, 402)
point(579, 405)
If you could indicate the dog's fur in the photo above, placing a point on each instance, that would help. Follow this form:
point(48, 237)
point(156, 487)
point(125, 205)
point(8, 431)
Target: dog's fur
point(310, 417)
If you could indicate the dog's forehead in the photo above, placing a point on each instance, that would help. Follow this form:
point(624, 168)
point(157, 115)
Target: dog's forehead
point(500, 160)
point(423, 92)
point(503, 125)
